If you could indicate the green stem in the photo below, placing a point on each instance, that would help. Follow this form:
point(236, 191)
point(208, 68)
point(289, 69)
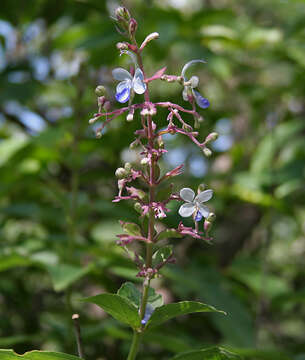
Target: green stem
point(134, 345)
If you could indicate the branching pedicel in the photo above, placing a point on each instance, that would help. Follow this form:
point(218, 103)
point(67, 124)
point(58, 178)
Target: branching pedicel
point(152, 204)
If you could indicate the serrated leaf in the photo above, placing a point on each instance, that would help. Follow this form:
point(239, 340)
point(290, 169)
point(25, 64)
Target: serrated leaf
point(214, 353)
point(117, 306)
point(168, 233)
point(36, 355)
point(161, 255)
point(129, 291)
point(131, 228)
point(169, 311)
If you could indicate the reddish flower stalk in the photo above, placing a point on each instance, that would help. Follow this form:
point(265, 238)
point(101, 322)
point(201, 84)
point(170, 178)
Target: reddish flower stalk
point(152, 204)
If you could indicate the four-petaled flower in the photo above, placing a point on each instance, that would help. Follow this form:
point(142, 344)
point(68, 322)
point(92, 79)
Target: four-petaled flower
point(192, 84)
point(128, 83)
point(195, 204)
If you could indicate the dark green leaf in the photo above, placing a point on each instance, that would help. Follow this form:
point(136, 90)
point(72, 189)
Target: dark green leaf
point(169, 311)
point(118, 307)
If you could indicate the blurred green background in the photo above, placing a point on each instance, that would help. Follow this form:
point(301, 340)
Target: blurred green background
point(58, 222)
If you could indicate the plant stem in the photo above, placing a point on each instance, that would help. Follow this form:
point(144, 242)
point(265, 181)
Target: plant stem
point(151, 223)
point(134, 345)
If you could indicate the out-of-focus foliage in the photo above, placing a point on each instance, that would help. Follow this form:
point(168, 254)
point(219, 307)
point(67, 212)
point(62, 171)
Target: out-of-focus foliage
point(58, 223)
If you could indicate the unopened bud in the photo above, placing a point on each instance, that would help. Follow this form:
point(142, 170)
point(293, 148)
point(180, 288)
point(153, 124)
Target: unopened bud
point(100, 90)
point(207, 225)
point(122, 46)
point(127, 167)
point(144, 161)
point(211, 137)
point(207, 152)
point(120, 173)
point(194, 81)
point(132, 26)
point(211, 218)
point(101, 100)
point(93, 120)
point(107, 105)
point(122, 13)
point(149, 38)
point(200, 119)
point(152, 36)
point(138, 208)
point(145, 112)
point(201, 187)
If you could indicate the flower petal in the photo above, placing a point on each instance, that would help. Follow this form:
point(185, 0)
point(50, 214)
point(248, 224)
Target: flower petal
point(187, 194)
point(121, 74)
point(123, 96)
point(123, 85)
point(198, 216)
point(200, 100)
point(138, 84)
point(205, 211)
point(186, 209)
point(204, 196)
point(184, 94)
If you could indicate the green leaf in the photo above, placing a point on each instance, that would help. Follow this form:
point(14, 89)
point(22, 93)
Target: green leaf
point(129, 291)
point(63, 275)
point(168, 233)
point(154, 299)
point(161, 255)
point(131, 228)
point(169, 311)
point(215, 353)
point(36, 355)
point(117, 306)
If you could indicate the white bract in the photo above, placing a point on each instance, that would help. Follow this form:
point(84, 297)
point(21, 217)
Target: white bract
point(195, 204)
point(193, 83)
point(128, 83)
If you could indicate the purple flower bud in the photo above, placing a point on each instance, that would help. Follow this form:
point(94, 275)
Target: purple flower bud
point(133, 25)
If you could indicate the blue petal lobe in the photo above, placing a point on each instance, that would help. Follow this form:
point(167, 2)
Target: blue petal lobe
point(200, 100)
point(123, 96)
point(198, 216)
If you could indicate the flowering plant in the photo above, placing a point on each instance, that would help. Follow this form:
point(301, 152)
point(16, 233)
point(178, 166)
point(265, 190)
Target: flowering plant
point(143, 310)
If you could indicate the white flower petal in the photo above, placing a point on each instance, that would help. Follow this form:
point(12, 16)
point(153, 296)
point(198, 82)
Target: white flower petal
point(123, 85)
point(187, 194)
point(186, 209)
point(204, 196)
point(121, 74)
point(139, 85)
point(184, 94)
point(187, 65)
point(205, 211)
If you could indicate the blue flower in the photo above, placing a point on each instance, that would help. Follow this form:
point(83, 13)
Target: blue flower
point(190, 85)
point(128, 83)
